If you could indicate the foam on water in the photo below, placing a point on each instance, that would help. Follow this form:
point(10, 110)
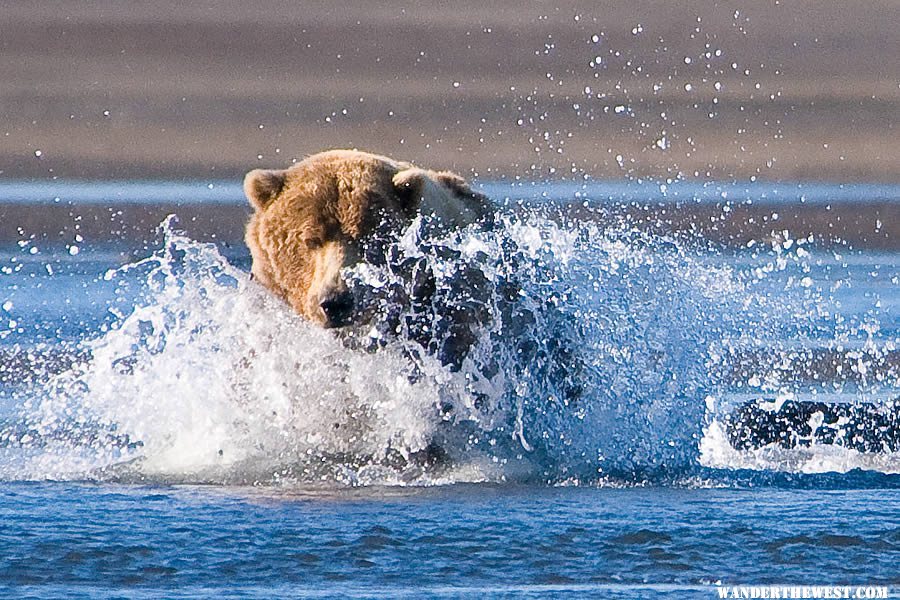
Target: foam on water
point(607, 353)
point(717, 453)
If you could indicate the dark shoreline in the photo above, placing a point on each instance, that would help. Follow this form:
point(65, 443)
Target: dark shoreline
point(871, 226)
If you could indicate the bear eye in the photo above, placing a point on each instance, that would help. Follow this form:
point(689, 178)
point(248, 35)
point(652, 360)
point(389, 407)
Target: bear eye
point(312, 243)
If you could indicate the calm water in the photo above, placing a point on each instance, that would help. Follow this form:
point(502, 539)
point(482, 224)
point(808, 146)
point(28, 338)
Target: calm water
point(463, 540)
point(166, 429)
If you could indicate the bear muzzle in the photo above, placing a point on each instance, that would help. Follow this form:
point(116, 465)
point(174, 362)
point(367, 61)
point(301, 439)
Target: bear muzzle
point(338, 308)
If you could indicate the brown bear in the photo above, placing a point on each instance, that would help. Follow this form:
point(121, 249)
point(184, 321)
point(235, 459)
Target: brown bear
point(312, 220)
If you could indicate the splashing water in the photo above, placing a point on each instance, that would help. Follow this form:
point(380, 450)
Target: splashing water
point(598, 352)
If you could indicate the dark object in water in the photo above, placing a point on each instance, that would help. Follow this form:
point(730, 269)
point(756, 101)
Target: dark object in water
point(867, 428)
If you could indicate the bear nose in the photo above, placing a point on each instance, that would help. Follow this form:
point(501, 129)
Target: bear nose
point(337, 308)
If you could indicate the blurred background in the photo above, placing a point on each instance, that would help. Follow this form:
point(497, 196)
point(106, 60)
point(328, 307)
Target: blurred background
point(787, 91)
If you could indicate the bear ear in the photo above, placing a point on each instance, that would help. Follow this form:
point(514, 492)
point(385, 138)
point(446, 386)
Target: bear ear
point(454, 182)
point(410, 185)
point(475, 201)
point(261, 186)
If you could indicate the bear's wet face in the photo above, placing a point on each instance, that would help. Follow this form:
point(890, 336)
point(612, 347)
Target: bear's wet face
point(334, 210)
point(304, 262)
point(328, 299)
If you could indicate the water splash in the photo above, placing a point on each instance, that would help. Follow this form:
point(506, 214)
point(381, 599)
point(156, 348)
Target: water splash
point(600, 352)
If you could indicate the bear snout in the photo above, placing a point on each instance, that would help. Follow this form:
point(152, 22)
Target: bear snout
point(338, 308)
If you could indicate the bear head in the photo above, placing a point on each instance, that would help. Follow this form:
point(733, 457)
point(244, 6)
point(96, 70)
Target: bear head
point(335, 209)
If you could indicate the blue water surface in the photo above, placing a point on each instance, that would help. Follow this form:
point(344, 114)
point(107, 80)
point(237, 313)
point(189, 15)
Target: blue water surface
point(72, 524)
point(81, 540)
